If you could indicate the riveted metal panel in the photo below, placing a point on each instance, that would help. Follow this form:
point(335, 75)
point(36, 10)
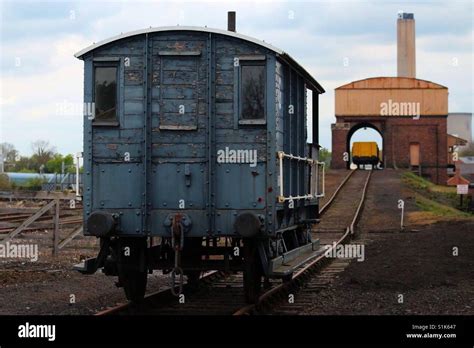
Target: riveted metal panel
point(189, 185)
point(244, 186)
point(116, 185)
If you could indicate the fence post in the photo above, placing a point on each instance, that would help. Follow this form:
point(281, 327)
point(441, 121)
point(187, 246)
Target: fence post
point(56, 229)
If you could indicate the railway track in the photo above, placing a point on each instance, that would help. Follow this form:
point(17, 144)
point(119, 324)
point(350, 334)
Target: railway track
point(319, 272)
point(221, 294)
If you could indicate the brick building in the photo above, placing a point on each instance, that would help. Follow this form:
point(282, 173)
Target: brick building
point(410, 115)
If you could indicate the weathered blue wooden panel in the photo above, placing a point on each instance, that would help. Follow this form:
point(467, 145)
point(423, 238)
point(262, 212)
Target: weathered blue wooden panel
point(224, 121)
point(178, 92)
point(117, 151)
point(127, 47)
point(176, 121)
point(174, 36)
point(179, 150)
point(224, 93)
point(105, 135)
point(156, 92)
point(225, 78)
point(133, 121)
point(180, 64)
point(280, 105)
point(134, 77)
point(184, 45)
point(133, 107)
point(156, 76)
point(175, 105)
point(177, 137)
point(101, 135)
point(134, 62)
point(180, 77)
point(155, 119)
point(230, 47)
point(133, 135)
point(225, 108)
point(202, 108)
point(250, 136)
point(155, 108)
point(225, 63)
point(133, 92)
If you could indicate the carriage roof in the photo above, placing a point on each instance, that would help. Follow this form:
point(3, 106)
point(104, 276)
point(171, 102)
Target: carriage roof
point(310, 80)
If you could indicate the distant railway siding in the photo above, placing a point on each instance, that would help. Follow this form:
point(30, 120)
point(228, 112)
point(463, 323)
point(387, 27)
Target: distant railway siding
point(338, 217)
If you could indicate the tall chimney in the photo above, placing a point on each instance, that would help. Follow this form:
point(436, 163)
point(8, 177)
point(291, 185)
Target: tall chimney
point(406, 57)
point(231, 21)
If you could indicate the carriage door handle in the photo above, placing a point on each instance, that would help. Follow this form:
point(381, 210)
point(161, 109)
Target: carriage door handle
point(187, 174)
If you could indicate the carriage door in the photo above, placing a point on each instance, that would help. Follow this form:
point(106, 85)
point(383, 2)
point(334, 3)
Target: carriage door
point(179, 101)
point(241, 146)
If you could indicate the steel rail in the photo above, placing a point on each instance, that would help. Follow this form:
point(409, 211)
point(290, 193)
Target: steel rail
point(341, 185)
point(310, 267)
point(164, 293)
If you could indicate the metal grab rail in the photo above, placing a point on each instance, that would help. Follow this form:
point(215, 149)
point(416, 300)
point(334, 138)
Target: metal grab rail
point(311, 162)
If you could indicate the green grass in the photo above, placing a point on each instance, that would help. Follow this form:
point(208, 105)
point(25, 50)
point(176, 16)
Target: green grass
point(438, 209)
point(418, 182)
point(441, 200)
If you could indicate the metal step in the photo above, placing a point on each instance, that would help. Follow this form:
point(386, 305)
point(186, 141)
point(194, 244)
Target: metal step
point(287, 263)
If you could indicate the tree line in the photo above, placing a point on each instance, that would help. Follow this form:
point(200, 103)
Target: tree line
point(44, 159)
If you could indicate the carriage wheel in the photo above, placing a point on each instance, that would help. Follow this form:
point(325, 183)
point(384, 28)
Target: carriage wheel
point(192, 255)
point(252, 271)
point(134, 284)
point(193, 279)
point(132, 269)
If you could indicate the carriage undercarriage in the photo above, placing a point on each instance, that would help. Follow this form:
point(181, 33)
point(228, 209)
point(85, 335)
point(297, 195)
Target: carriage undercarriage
point(131, 259)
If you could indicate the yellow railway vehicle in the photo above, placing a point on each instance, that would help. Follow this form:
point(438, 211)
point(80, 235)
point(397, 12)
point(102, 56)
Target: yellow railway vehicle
point(365, 153)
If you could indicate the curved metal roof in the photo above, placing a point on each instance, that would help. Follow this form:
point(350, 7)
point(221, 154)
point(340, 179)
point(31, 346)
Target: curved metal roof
point(391, 82)
point(311, 81)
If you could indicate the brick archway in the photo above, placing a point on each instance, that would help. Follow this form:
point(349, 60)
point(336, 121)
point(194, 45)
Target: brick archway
point(342, 132)
point(354, 129)
point(397, 135)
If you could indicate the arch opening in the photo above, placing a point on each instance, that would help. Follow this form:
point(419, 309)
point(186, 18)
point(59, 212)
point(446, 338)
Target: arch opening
point(364, 155)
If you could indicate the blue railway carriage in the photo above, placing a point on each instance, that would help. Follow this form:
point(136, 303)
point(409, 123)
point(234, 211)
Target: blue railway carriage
point(196, 157)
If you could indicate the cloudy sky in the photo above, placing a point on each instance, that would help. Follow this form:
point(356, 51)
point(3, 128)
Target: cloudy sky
point(40, 76)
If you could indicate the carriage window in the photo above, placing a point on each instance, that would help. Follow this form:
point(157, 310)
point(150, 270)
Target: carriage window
point(105, 92)
point(252, 93)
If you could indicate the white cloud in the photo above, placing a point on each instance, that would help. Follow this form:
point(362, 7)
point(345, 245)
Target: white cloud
point(29, 101)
